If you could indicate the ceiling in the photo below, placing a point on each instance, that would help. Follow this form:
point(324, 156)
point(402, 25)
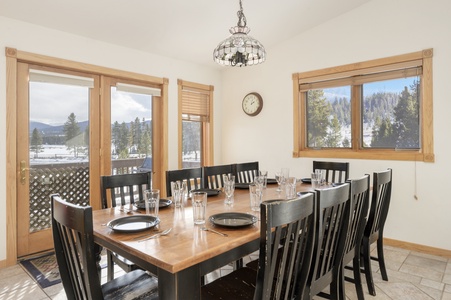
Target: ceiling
point(183, 29)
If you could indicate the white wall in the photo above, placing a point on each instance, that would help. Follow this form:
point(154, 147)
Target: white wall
point(35, 39)
point(378, 29)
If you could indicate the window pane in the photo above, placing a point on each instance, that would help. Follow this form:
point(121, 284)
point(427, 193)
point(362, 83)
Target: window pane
point(59, 148)
point(329, 118)
point(391, 114)
point(131, 132)
point(191, 144)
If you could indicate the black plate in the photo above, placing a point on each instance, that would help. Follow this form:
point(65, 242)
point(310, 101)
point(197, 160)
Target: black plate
point(306, 180)
point(233, 219)
point(210, 192)
point(271, 181)
point(241, 185)
point(163, 203)
point(133, 223)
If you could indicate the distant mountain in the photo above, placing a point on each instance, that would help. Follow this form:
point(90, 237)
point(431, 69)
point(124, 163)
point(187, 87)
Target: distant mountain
point(38, 126)
point(47, 129)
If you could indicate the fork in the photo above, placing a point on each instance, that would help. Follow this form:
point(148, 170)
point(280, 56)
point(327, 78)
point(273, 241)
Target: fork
point(212, 230)
point(164, 232)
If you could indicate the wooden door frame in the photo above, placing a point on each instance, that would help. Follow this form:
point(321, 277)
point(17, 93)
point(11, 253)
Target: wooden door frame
point(12, 167)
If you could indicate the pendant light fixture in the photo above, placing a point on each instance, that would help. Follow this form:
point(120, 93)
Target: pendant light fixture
point(239, 49)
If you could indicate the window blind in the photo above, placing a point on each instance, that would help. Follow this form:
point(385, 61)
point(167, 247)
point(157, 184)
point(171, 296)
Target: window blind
point(60, 78)
point(195, 104)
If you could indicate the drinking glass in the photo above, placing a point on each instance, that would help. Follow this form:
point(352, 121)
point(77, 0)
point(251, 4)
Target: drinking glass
point(279, 181)
point(255, 195)
point(177, 193)
point(199, 200)
point(152, 202)
point(229, 189)
point(263, 177)
point(321, 176)
point(285, 173)
point(316, 180)
point(290, 187)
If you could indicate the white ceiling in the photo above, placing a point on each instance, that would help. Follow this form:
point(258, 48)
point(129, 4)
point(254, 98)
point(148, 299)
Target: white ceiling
point(182, 29)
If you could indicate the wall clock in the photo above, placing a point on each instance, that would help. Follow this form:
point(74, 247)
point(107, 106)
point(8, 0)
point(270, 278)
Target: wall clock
point(252, 104)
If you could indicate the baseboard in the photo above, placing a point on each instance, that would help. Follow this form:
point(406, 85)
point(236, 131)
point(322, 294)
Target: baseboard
point(3, 264)
point(418, 248)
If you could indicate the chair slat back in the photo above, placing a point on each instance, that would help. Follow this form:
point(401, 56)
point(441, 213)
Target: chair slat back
point(124, 188)
point(360, 199)
point(192, 176)
point(246, 172)
point(213, 175)
point(380, 202)
point(74, 249)
point(286, 247)
point(335, 172)
point(334, 208)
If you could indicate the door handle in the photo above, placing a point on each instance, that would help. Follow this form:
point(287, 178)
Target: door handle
point(23, 171)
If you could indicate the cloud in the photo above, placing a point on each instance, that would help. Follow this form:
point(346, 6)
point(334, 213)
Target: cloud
point(53, 103)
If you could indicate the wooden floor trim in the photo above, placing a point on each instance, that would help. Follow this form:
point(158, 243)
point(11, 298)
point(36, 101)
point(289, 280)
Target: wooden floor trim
point(417, 247)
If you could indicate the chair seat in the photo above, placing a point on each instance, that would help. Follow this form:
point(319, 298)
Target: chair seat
point(133, 285)
point(239, 284)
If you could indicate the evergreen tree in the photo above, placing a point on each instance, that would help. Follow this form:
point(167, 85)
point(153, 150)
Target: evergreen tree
point(400, 128)
point(334, 137)
point(137, 135)
point(407, 119)
point(74, 140)
point(384, 135)
point(36, 142)
point(123, 145)
point(318, 112)
point(115, 136)
point(191, 137)
point(145, 143)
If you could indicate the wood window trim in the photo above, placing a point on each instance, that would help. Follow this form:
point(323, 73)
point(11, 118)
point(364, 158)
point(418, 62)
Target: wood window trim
point(426, 153)
point(13, 56)
point(207, 129)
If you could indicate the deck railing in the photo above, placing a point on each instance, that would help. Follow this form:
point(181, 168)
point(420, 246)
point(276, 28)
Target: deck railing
point(70, 180)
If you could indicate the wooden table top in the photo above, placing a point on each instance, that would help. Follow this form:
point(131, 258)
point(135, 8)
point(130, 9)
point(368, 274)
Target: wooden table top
point(186, 245)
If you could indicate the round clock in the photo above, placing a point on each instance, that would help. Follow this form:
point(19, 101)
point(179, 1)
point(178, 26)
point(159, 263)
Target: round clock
point(252, 104)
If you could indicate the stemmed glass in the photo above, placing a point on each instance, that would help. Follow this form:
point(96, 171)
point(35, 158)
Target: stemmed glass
point(279, 181)
point(229, 188)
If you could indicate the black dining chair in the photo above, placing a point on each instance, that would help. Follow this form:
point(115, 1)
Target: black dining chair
point(212, 175)
point(73, 238)
point(246, 172)
point(286, 246)
point(360, 199)
point(374, 230)
point(334, 209)
point(119, 190)
point(335, 172)
point(193, 178)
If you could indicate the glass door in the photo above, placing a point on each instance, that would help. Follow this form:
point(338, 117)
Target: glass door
point(54, 148)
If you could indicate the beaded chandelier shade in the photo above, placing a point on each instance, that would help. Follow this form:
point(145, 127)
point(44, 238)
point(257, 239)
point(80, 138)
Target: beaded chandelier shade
point(239, 49)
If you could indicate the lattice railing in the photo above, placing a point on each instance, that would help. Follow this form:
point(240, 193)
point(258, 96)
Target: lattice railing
point(71, 182)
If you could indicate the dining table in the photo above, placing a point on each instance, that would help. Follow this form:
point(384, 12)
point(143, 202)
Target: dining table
point(181, 258)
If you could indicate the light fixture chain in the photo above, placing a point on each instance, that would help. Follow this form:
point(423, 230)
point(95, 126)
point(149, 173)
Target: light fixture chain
point(241, 18)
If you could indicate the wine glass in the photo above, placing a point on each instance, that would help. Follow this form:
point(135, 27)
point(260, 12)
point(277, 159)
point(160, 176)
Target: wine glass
point(229, 189)
point(279, 181)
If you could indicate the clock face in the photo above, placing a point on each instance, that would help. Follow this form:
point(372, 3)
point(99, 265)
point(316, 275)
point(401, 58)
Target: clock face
point(252, 104)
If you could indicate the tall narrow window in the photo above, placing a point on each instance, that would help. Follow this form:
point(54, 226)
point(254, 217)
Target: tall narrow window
point(195, 124)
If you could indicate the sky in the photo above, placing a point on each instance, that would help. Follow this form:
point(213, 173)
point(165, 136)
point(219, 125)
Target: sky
point(388, 86)
point(53, 103)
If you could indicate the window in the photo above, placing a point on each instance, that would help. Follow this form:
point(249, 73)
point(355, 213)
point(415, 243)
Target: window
point(195, 124)
point(379, 109)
